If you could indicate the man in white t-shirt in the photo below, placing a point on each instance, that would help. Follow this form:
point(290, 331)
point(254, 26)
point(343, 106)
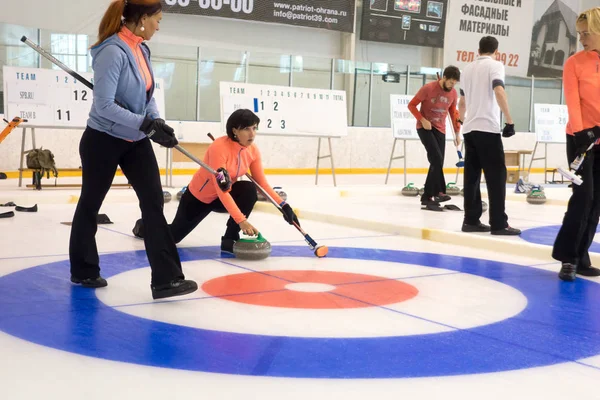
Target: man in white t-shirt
point(482, 99)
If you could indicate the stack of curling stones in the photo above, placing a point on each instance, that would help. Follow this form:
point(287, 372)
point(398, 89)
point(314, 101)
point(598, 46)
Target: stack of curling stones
point(410, 190)
point(180, 193)
point(452, 189)
point(536, 196)
point(252, 248)
point(166, 196)
point(278, 189)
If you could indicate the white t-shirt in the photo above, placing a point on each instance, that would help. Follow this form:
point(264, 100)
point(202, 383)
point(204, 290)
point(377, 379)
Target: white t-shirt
point(477, 82)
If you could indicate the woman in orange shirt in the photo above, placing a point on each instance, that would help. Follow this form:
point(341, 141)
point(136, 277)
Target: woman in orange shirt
point(237, 153)
point(581, 77)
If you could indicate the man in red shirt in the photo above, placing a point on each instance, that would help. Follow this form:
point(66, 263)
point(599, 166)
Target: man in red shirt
point(436, 99)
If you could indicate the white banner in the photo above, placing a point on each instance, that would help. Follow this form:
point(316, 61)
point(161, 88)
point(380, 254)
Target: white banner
point(509, 21)
point(404, 124)
point(551, 123)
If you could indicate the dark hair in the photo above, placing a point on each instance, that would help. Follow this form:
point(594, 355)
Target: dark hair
point(240, 119)
point(125, 11)
point(452, 72)
point(488, 45)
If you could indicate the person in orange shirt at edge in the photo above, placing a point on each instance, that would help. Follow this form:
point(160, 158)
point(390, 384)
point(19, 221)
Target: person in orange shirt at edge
point(437, 99)
point(237, 153)
point(581, 77)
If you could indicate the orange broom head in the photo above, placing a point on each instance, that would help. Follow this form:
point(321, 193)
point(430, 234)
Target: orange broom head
point(321, 251)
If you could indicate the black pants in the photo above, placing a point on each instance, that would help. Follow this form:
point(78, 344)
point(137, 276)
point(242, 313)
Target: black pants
point(100, 155)
point(581, 219)
point(434, 142)
point(484, 150)
point(192, 211)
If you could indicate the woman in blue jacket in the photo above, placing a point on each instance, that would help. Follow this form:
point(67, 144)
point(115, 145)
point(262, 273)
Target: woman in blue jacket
point(123, 119)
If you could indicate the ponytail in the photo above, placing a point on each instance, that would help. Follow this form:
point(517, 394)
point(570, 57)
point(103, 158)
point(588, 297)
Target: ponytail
point(128, 10)
point(111, 22)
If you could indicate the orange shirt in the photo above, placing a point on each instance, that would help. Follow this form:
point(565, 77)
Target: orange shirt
point(236, 159)
point(436, 103)
point(581, 77)
point(133, 41)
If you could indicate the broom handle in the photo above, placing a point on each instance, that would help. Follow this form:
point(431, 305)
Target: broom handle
point(87, 83)
point(451, 123)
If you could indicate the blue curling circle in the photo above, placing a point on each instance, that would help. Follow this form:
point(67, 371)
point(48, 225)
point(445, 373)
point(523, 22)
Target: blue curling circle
point(41, 305)
point(546, 235)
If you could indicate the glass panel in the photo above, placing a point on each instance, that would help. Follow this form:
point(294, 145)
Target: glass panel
point(354, 78)
point(311, 72)
point(382, 89)
point(269, 69)
point(218, 65)
point(518, 91)
point(178, 68)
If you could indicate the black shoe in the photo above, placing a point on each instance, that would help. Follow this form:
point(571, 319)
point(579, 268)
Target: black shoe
point(90, 282)
point(138, 229)
point(508, 231)
point(442, 197)
point(567, 272)
point(588, 271)
point(432, 206)
point(475, 228)
point(178, 287)
point(227, 245)
point(426, 201)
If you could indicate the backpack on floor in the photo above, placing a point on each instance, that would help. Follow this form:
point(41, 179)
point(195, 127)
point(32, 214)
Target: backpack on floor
point(42, 160)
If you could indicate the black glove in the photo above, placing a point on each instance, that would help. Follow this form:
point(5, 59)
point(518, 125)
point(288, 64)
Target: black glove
point(158, 131)
point(585, 138)
point(509, 130)
point(223, 180)
point(289, 215)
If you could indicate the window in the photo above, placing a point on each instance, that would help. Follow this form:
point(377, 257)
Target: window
point(72, 50)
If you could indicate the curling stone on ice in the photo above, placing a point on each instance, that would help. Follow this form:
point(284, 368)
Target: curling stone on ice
point(167, 196)
point(484, 206)
point(536, 197)
point(410, 190)
point(531, 188)
point(252, 248)
point(280, 192)
point(462, 192)
point(421, 191)
point(452, 189)
point(180, 193)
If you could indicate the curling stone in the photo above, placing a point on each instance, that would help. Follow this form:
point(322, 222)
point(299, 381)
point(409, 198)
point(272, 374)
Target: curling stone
point(531, 188)
point(167, 196)
point(180, 193)
point(410, 190)
point(421, 191)
point(484, 206)
point(252, 248)
point(536, 197)
point(462, 192)
point(280, 192)
point(452, 189)
point(260, 196)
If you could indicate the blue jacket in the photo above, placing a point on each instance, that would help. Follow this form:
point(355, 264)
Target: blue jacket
point(117, 78)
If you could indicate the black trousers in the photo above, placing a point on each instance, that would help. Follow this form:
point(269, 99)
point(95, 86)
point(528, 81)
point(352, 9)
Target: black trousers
point(581, 219)
point(485, 151)
point(192, 211)
point(100, 155)
point(434, 142)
